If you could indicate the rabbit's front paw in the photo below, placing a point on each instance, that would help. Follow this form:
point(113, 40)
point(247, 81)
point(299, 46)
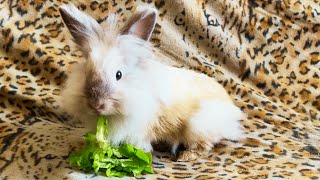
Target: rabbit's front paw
point(145, 146)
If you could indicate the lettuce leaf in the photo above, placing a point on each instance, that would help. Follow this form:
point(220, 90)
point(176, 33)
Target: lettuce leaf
point(99, 156)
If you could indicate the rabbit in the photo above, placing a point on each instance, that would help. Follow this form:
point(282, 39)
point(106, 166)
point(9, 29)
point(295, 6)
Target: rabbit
point(143, 99)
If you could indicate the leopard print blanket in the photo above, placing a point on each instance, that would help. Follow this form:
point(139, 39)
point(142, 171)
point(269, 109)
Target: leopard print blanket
point(265, 53)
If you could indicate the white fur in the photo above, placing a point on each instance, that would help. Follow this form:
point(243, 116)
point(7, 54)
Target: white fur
point(217, 119)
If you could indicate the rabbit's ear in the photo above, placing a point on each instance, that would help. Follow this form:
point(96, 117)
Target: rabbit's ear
point(82, 27)
point(142, 23)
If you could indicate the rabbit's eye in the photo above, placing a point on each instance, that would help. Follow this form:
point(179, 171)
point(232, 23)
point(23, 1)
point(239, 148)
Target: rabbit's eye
point(118, 75)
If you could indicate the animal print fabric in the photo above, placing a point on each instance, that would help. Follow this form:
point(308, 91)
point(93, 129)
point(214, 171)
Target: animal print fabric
point(264, 52)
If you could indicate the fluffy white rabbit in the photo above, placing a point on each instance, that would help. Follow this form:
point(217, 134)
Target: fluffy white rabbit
point(145, 101)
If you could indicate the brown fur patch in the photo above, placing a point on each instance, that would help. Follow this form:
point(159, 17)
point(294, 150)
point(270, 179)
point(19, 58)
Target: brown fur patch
point(95, 88)
point(172, 122)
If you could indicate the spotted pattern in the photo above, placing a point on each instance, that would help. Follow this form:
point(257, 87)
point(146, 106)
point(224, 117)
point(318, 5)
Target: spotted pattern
point(265, 53)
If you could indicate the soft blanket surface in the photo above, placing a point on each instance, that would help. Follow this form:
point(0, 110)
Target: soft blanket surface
point(265, 53)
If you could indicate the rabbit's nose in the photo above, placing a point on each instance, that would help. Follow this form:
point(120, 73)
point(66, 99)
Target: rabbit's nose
point(98, 108)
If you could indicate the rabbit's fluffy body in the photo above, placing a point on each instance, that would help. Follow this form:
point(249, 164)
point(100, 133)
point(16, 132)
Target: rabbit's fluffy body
point(152, 101)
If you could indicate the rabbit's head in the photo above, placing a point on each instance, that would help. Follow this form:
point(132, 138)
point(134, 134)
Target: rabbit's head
point(114, 57)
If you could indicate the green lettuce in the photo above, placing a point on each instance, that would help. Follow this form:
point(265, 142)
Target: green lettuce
point(99, 156)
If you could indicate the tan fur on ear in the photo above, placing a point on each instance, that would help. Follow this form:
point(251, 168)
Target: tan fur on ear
point(75, 28)
point(142, 23)
point(82, 27)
